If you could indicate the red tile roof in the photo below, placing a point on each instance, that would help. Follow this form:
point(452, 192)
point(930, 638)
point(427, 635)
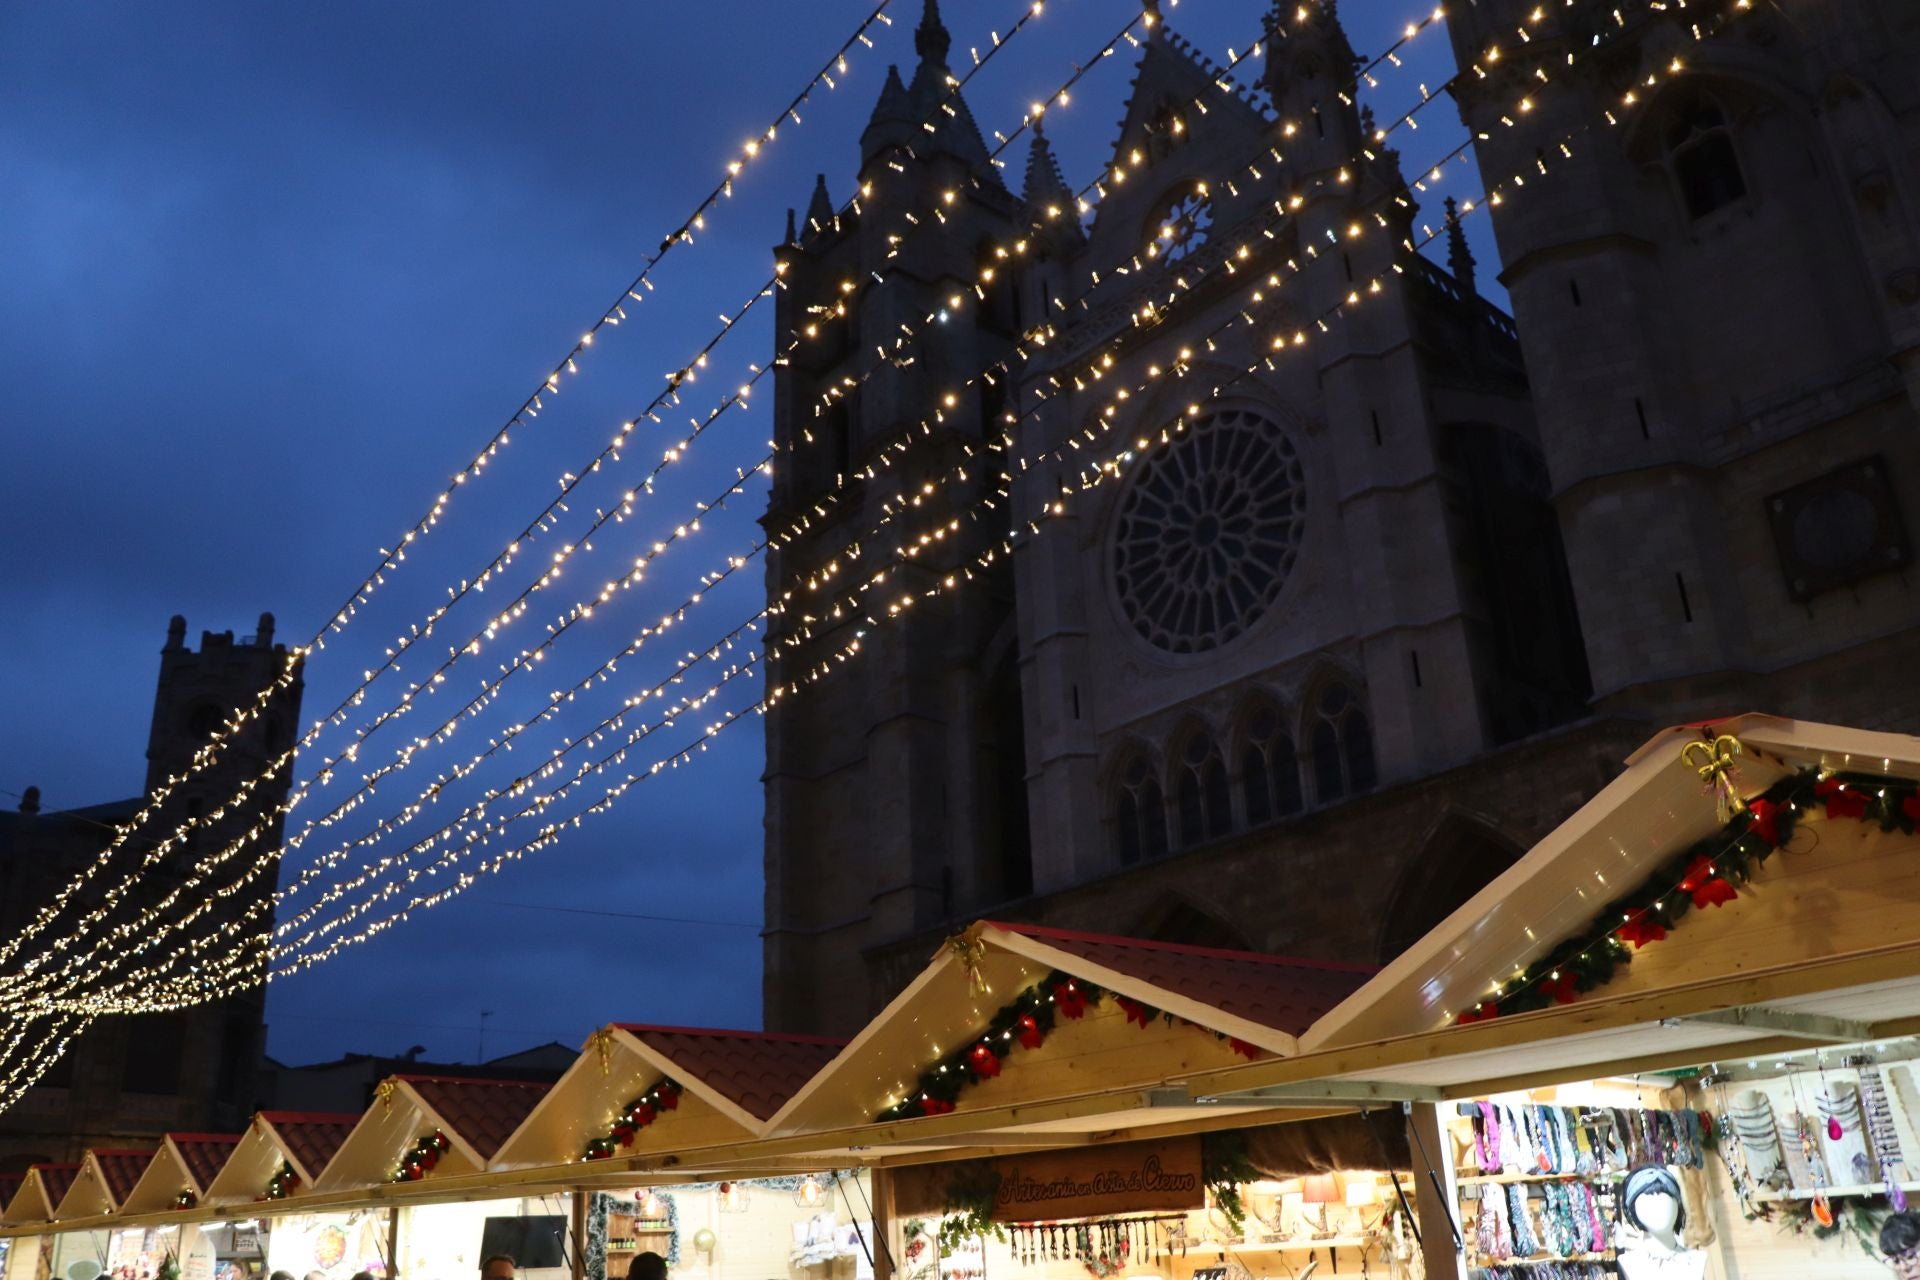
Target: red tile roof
point(204, 1154)
point(58, 1179)
point(120, 1169)
point(9, 1187)
point(311, 1137)
point(484, 1112)
point(1282, 992)
point(755, 1070)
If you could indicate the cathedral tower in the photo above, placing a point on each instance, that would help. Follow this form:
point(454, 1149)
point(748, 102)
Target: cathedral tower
point(1719, 302)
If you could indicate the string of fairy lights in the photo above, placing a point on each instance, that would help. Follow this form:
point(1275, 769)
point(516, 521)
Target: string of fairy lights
point(390, 559)
point(543, 522)
point(1106, 48)
point(579, 612)
point(1112, 467)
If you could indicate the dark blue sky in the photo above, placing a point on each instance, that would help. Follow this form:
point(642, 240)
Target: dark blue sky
point(273, 272)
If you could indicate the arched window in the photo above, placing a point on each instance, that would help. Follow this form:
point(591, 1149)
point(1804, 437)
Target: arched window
point(1342, 745)
point(1139, 814)
point(1269, 771)
point(1705, 165)
point(1201, 799)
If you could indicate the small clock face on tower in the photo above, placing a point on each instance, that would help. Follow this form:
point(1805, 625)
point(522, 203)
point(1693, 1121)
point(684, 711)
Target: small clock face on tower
point(1208, 530)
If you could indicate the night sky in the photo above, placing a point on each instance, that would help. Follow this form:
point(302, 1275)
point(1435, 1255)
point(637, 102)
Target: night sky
point(272, 273)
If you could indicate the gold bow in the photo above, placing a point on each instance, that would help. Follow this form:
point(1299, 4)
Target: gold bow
point(602, 1042)
point(1714, 762)
point(383, 1093)
point(972, 953)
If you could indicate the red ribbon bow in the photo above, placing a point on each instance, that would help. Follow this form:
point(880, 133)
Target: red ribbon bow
point(1026, 1029)
point(1766, 821)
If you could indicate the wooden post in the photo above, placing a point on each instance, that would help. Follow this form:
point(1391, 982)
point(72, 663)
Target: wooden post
point(885, 1238)
point(579, 1235)
point(393, 1242)
point(1435, 1198)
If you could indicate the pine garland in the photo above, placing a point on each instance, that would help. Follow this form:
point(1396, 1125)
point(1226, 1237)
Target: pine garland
point(421, 1157)
point(1706, 873)
point(185, 1200)
point(282, 1184)
point(1024, 1022)
point(635, 1116)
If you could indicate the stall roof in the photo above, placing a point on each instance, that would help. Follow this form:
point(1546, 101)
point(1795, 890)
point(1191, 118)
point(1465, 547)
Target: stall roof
point(306, 1140)
point(1799, 958)
point(185, 1162)
point(732, 1081)
point(1236, 1002)
point(107, 1175)
point(43, 1187)
point(475, 1115)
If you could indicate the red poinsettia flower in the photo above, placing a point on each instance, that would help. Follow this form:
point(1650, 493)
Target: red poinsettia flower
point(1480, 1013)
point(1842, 800)
point(1641, 931)
point(1911, 807)
point(931, 1106)
point(983, 1062)
point(1559, 987)
point(1242, 1048)
point(1027, 1031)
point(643, 1115)
point(1704, 882)
point(1070, 1000)
point(1135, 1011)
point(1766, 821)
point(667, 1097)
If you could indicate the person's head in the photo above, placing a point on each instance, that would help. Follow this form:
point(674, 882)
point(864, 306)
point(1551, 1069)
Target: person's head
point(316, 1275)
point(363, 1275)
point(281, 1275)
point(648, 1266)
point(498, 1266)
point(1900, 1234)
point(1650, 1201)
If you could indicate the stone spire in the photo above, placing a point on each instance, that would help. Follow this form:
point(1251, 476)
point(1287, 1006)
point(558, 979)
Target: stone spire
point(1045, 184)
point(820, 208)
point(930, 38)
point(1459, 257)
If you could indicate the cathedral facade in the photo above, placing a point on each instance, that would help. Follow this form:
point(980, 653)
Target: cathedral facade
point(1218, 567)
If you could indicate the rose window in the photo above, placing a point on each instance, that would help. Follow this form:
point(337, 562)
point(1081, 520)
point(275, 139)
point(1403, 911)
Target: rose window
point(1208, 531)
point(1182, 226)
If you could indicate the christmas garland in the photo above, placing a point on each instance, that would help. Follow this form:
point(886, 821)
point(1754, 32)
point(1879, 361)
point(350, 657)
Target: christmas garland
point(282, 1184)
point(421, 1157)
point(1023, 1022)
point(1705, 874)
point(186, 1199)
point(635, 1116)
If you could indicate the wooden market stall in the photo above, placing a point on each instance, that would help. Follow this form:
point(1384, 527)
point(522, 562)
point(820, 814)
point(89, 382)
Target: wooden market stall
point(181, 1173)
point(107, 1176)
point(43, 1187)
point(280, 1154)
point(426, 1126)
point(1744, 901)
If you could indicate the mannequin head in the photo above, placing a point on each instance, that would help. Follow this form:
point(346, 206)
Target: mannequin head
point(1650, 1202)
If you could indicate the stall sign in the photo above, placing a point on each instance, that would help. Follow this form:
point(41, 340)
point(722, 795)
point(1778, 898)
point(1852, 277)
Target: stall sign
point(1088, 1182)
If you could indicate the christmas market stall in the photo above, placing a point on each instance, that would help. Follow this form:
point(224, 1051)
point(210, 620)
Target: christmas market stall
point(422, 1128)
point(266, 1183)
point(1019, 1125)
point(279, 1155)
point(107, 1176)
point(181, 1172)
point(639, 1088)
point(1677, 1038)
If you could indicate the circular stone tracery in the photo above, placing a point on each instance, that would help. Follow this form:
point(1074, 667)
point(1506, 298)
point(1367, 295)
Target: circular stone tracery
point(1208, 531)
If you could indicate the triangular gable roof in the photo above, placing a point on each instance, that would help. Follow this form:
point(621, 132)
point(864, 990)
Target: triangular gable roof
point(307, 1140)
point(107, 1175)
point(733, 1083)
point(476, 1115)
point(43, 1187)
point(1822, 948)
point(185, 1162)
point(1263, 1002)
point(1655, 808)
